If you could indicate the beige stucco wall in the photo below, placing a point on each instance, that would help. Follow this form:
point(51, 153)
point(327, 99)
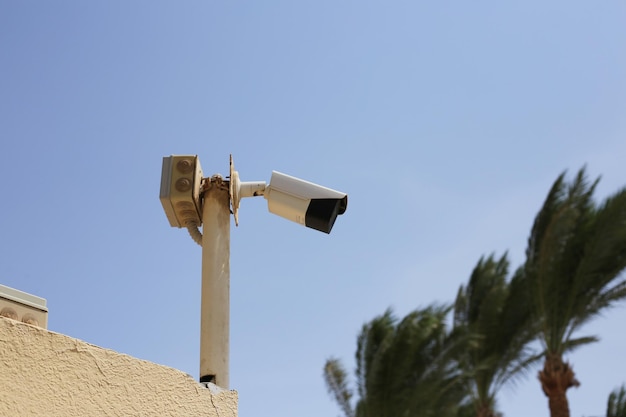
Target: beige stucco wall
point(46, 374)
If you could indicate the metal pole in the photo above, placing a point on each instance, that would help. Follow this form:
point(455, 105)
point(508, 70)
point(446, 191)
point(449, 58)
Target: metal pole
point(215, 310)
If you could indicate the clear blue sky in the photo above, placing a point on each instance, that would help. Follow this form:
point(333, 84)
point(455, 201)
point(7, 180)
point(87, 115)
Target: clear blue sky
point(445, 122)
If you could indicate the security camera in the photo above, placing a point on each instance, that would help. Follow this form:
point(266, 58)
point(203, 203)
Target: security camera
point(303, 202)
point(292, 198)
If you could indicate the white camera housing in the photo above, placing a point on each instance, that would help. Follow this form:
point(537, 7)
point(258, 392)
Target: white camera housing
point(292, 198)
point(304, 202)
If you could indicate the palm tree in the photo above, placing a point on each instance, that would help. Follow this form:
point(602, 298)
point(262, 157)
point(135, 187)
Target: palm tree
point(404, 368)
point(495, 317)
point(616, 406)
point(574, 259)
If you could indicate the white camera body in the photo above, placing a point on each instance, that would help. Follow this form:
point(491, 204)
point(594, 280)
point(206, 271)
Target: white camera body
point(304, 202)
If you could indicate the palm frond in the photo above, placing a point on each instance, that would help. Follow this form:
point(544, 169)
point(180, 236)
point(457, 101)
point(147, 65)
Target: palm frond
point(404, 367)
point(616, 406)
point(336, 380)
point(558, 256)
point(495, 319)
point(374, 337)
point(576, 251)
point(544, 218)
point(518, 369)
point(572, 344)
point(603, 261)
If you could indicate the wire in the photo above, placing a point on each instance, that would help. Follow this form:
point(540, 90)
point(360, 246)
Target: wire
point(194, 232)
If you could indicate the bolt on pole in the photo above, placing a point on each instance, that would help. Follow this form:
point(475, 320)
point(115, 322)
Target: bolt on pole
point(215, 309)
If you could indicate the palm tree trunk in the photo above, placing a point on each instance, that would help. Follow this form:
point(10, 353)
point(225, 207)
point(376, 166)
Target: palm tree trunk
point(556, 378)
